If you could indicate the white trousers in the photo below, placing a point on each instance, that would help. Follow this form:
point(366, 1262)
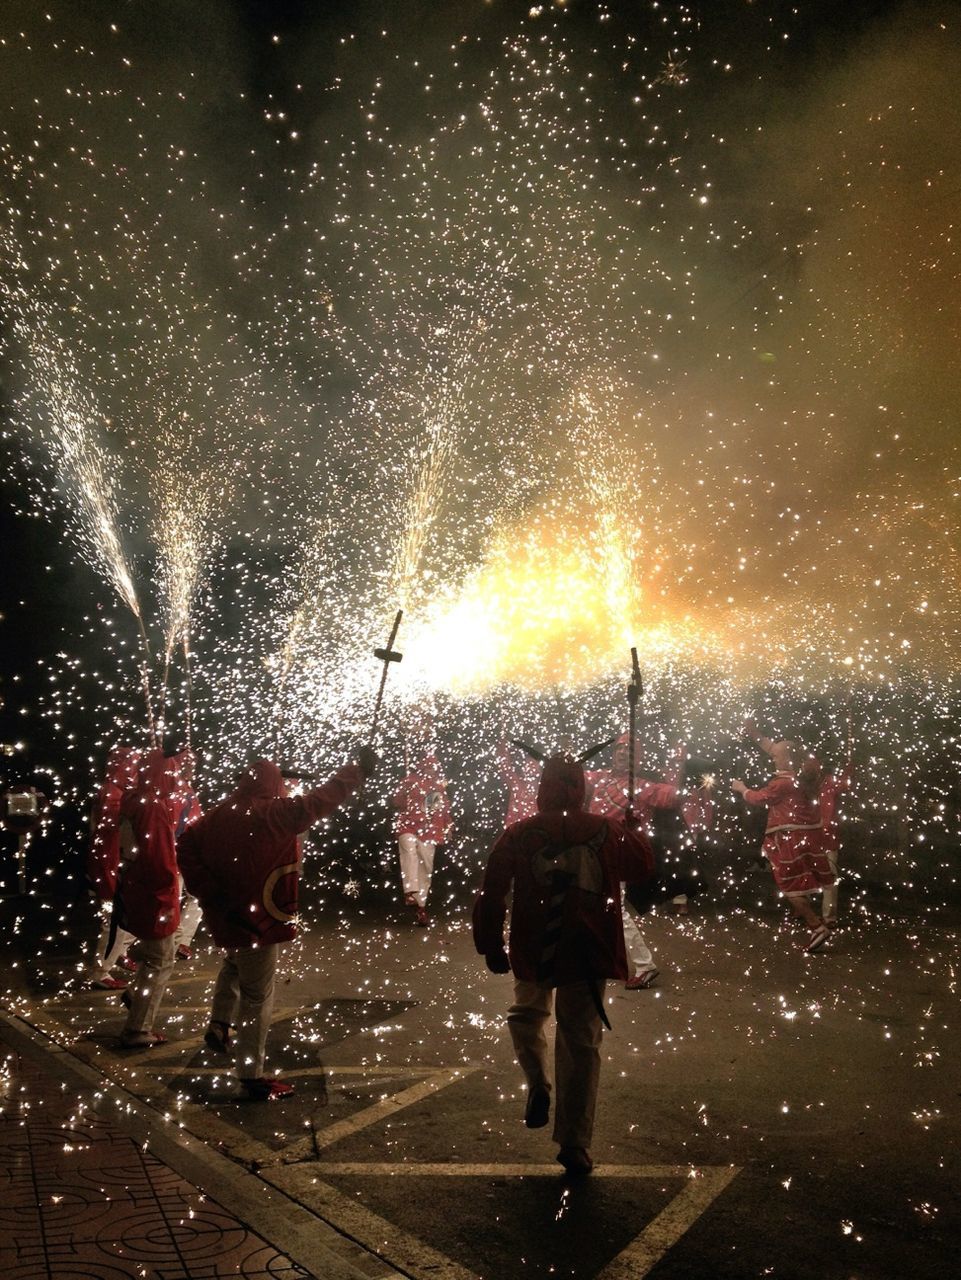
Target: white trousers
point(156, 957)
point(639, 958)
point(190, 916)
point(829, 894)
point(107, 957)
point(244, 998)
point(577, 1052)
point(416, 866)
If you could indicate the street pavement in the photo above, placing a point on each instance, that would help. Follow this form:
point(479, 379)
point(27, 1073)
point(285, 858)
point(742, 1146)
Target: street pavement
point(762, 1112)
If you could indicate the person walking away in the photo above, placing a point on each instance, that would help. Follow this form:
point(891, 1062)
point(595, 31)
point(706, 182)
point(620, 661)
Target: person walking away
point(565, 869)
point(103, 865)
point(148, 894)
point(242, 862)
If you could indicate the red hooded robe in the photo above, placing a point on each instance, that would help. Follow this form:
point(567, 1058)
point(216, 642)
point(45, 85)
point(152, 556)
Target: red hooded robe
point(148, 897)
point(590, 856)
point(242, 859)
point(103, 858)
point(521, 781)
point(421, 799)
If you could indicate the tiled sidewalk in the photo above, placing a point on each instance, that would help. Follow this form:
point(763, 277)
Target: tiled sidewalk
point(79, 1199)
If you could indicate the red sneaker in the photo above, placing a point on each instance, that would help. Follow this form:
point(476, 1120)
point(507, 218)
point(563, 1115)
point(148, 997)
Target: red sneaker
point(641, 981)
point(108, 984)
point(184, 953)
point(128, 963)
point(265, 1089)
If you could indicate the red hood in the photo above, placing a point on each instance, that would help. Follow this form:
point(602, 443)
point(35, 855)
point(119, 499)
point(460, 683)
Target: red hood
point(261, 780)
point(122, 767)
point(431, 770)
point(562, 786)
point(164, 777)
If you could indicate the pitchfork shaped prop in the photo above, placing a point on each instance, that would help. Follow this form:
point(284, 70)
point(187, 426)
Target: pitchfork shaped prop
point(635, 691)
point(386, 656)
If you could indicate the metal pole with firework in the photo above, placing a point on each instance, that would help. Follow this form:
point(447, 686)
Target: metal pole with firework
point(635, 691)
point(386, 656)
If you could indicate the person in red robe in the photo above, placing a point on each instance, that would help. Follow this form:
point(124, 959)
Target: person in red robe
point(826, 789)
point(423, 821)
point(521, 776)
point(148, 890)
point(242, 862)
point(609, 797)
point(565, 869)
point(793, 836)
point(103, 864)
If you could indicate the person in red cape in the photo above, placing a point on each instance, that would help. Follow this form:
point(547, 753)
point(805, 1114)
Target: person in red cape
point(521, 776)
point(148, 891)
point(793, 837)
point(423, 822)
point(103, 863)
point(825, 789)
point(609, 797)
point(242, 862)
point(565, 867)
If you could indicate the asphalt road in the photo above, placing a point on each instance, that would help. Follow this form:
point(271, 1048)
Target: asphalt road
point(762, 1112)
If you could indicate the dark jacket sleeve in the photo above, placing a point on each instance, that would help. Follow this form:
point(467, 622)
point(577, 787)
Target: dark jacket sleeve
point(291, 816)
point(490, 909)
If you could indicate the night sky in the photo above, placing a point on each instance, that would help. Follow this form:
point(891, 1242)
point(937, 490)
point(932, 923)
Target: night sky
point(565, 326)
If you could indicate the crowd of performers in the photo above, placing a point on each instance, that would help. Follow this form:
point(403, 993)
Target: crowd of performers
point(576, 860)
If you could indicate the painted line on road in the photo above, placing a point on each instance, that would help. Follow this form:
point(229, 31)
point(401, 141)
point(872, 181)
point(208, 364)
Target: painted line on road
point(408, 1254)
point(664, 1231)
point(445, 1170)
point(399, 1249)
point(386, 1107)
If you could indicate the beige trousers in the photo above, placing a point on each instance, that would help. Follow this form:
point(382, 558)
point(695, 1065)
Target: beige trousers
point(244, 998)
point(156, 959)
point(577, 1052)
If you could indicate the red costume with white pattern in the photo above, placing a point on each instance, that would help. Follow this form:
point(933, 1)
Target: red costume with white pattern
point(794, 837)
point(422, 804)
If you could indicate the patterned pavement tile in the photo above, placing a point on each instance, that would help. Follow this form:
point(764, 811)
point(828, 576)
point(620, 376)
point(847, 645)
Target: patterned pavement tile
point(79, 1200)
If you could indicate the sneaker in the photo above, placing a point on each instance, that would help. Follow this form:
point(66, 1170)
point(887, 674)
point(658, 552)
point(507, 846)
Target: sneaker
point(422, 918)
point(184, 953)
point(817, 939)
point(641, 981)
point(538, 1109)
point(265, 1089)
point(107, 984)
point(576, 1160)
point(128, 963)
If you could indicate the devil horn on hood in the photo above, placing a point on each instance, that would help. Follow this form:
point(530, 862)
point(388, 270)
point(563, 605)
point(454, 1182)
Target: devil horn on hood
point(531, 751)
point(597, 748)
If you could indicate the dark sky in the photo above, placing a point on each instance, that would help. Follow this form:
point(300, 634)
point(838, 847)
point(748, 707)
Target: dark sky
point(251, 223)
